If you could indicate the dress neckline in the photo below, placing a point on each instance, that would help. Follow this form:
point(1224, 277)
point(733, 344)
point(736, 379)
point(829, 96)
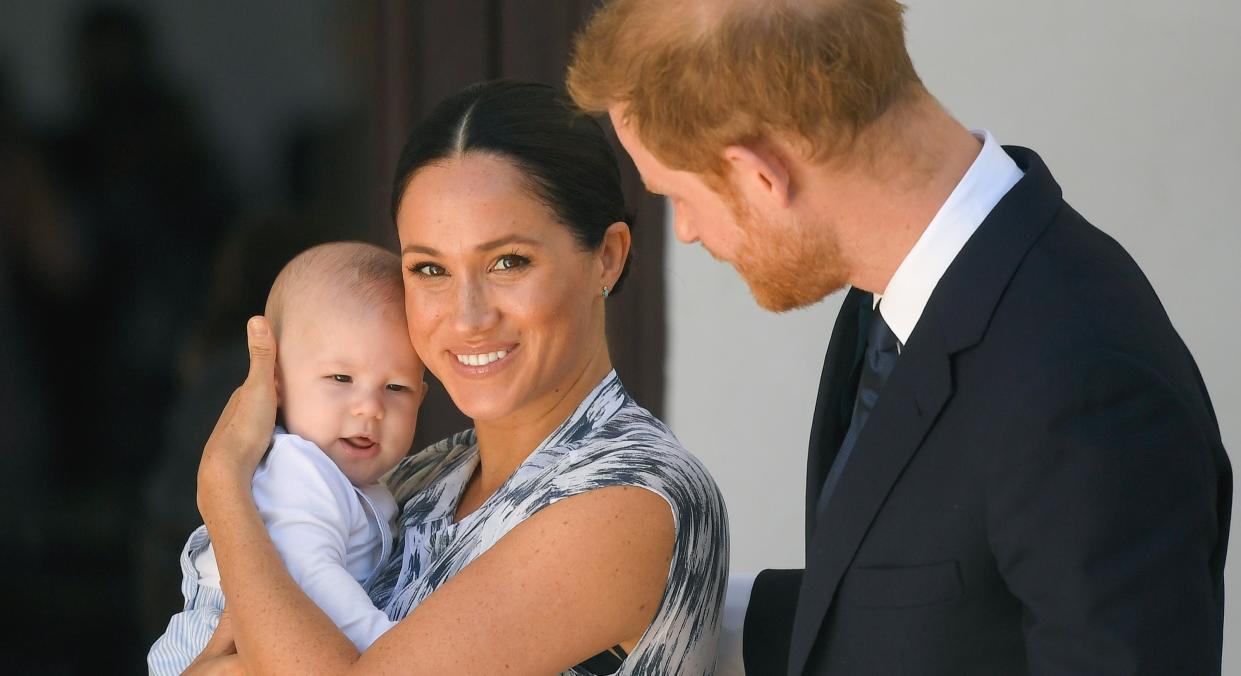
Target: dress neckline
point(596, 408)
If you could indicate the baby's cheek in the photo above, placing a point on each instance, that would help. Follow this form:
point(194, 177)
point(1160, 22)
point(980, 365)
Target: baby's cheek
point(408, 425)
point(313, 416)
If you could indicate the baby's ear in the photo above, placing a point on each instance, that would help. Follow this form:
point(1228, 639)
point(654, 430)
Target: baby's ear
point(422, 392)
point(278, 379)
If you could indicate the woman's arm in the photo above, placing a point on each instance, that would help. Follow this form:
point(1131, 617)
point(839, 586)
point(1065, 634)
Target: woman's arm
point(219, 657)
point(574, 579)
point(261, 593)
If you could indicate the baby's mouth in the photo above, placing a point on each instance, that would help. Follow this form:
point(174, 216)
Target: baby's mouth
point(361, 443)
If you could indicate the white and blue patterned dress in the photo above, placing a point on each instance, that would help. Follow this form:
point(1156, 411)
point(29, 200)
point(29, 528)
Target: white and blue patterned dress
point(608, 441)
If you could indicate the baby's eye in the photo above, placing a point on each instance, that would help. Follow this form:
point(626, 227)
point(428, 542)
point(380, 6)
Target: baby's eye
point(511, 262)
point(342, 378)
point(427, 270)
point(393, 387)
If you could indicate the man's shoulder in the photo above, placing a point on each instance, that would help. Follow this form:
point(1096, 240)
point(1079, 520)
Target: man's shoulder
point(1077, 302)
point(1082, 286)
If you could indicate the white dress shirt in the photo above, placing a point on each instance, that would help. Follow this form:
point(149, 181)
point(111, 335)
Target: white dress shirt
point(992, 174)
point(989, 178)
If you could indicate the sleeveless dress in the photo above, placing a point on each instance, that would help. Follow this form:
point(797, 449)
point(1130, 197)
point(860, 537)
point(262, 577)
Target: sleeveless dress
point(608, 441)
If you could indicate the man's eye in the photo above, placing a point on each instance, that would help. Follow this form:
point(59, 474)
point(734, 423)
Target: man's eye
point(393, 387)
point(427, 270)
point(342, 378)
point(511, 262)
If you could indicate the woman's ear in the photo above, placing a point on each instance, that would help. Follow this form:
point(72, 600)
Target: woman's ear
point(613, 253)
point(762, 172)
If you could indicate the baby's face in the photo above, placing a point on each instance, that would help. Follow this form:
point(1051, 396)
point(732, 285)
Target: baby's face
point(350, 382)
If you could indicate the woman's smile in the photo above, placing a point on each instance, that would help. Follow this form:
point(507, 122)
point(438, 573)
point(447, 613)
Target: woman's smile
point(481, 358)
point(478, 363)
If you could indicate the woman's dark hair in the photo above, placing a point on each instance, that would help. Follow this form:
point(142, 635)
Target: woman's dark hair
point(562, 152)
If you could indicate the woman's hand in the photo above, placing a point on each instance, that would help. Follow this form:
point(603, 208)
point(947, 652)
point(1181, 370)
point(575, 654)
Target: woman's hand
point(244, 429)
point(219, 657)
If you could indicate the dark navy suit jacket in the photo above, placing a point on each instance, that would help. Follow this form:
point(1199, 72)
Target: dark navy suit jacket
point(1040, 489)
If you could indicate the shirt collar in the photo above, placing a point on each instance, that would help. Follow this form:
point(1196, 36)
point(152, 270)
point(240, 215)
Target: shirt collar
point(988, 179)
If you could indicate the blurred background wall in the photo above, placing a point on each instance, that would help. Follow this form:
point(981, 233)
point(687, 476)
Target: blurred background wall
point(159, 161)
point(1134, 106)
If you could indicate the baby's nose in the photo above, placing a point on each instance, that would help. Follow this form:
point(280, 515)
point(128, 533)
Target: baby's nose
point(369, 405)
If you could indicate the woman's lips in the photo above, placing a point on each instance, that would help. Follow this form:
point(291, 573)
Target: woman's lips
point(482, 358)
point(482, 362)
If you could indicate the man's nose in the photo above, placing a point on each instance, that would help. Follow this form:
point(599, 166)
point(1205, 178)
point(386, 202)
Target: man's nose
point(684, 232)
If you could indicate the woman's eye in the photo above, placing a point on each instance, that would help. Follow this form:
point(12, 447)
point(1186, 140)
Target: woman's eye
point(426, 269)
point(342, 378)
point(393, 387)
point(511, 262)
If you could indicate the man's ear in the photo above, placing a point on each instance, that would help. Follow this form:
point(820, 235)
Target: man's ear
point(613, 253)
point(761, 172)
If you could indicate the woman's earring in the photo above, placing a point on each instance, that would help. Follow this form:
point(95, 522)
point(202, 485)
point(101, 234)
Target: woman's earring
point(606, 291)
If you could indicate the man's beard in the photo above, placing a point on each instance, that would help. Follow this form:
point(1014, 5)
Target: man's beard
point(786, 267)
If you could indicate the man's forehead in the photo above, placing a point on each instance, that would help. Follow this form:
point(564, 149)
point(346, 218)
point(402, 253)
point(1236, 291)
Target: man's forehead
point(643, 160)
point(660, 21)
point(626, 133)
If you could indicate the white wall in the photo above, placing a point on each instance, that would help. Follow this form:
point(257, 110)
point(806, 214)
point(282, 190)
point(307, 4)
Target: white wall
point(1135, 106)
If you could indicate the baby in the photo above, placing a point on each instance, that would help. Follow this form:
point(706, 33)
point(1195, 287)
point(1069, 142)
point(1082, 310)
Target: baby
point(349, 387)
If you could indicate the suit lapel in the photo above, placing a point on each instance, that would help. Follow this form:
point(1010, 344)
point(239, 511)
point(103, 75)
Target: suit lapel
point(916, 391)
point(837, 390)
point(955, 318)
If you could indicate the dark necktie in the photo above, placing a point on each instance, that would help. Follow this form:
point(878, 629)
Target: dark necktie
point(882, 350)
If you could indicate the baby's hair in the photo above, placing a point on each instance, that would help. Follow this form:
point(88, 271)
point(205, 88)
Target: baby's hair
point(341, 273)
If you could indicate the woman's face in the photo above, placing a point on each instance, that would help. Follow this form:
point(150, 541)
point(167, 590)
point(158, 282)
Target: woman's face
point(503, 304)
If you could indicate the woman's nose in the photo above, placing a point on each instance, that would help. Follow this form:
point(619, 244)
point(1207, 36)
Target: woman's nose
point(474, 313)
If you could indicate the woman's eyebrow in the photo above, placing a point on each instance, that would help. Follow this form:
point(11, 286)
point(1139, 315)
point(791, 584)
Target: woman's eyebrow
point(506, 240)
point(485, 246)
point(418, 248)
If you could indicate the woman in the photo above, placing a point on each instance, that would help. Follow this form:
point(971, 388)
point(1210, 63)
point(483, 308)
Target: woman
point(568, 531)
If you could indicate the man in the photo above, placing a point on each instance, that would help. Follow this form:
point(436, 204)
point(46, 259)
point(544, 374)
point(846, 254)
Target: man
point(1014, 466)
